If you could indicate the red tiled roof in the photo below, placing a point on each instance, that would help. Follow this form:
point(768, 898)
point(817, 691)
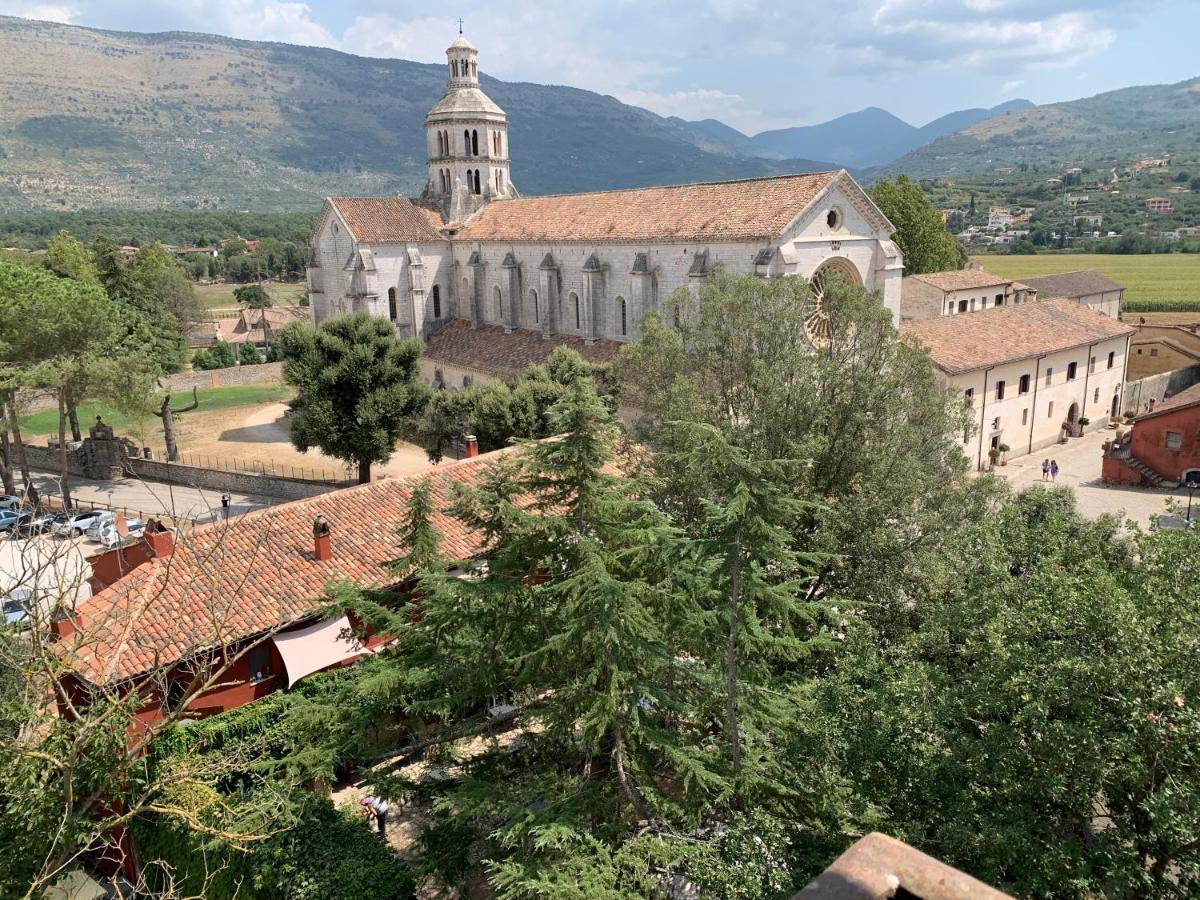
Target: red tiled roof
point(227, 581)
point(1002, 334)
point(387, 220)
point(727, 210)
point(487, 348)
point(961, 280)
point(1185, 398)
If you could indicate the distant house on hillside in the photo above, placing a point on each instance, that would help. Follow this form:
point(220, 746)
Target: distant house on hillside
point(1159, 205)
point(934, 294)
point(1085, 287)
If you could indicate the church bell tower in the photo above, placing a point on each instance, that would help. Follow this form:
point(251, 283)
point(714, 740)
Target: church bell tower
point(466, 138)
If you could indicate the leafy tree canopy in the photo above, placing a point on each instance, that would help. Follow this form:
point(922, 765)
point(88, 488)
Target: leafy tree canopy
point(922, 237)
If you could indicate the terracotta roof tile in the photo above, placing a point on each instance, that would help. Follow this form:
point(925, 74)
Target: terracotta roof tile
point(962, 280)
point(1002, 334)
point(231, 580)
point(387, 220)
point(487, 348)
point(729, 210)
point(1185, 398)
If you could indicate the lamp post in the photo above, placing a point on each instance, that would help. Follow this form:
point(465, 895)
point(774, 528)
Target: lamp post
point(1192, 487)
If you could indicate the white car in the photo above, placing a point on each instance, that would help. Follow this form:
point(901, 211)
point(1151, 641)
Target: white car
point(102, 520)
point(9, 503)
point(109, 538)
point(76, 523)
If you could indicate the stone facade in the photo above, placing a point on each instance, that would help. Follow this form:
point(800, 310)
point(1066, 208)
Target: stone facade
point(588, 265)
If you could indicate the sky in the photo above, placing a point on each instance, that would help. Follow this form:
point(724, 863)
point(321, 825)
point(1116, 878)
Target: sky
point(753, 64)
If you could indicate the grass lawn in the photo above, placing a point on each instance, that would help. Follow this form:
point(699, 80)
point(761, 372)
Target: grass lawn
point(1156, 276)
point(211, 399)
point(220, 295)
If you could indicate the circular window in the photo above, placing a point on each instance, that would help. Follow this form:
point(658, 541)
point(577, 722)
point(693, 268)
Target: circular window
point(833, 219)
point(817, 322)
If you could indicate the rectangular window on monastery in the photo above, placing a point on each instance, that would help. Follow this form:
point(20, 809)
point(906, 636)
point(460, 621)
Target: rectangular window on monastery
point(1154, 351)
point(962, 305)
point(1091, 365)
point(1049, 374)
point(1096, 396)
point(1111, 356)
point(999, 390)
point(1071, 369)
point(1050, 410)
point(1024, 417)
point(1174, 440)
point(972, 304)
point(999, 299)
point(969, 393)
point(1023, 387)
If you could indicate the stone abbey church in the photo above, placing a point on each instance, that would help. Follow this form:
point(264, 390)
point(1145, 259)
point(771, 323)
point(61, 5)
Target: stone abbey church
point(493, 281)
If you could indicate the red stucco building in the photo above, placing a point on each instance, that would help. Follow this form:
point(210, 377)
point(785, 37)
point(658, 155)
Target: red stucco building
point(1163, 447)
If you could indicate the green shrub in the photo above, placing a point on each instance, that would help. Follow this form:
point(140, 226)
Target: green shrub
point(1177, 305)
point(223, 356)
point(203, 360)
point(248, 355)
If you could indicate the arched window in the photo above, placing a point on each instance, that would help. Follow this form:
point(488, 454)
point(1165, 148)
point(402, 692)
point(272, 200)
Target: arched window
point(466, 142)
point(498, 303)
point(454, 67)
point(437, 302)
point(477, 188)
point(474, 143)
point(441, 147)
point(574, 299)
point(533, 302)
point(622, 317)
point(392, 304)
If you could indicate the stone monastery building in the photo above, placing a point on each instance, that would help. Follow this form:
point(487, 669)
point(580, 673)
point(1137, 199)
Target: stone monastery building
point(581, 269)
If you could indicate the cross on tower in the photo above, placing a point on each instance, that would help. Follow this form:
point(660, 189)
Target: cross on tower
point(460, 26)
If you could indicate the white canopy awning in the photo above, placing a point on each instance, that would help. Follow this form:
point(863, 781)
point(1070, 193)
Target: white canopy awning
point(315, 648)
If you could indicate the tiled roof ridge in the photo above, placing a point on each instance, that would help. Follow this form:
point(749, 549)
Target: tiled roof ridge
point(1186, 398)
point(669, 187)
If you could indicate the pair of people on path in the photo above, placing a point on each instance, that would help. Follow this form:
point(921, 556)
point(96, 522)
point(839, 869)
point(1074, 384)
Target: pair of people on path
point(376, 807)
point(1049, 469)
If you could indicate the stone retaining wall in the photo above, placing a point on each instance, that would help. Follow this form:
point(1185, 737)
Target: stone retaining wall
point(1138, 393)
point(275, 486)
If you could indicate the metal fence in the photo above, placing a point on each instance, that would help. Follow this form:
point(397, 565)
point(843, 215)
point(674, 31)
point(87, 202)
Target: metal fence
point(341, 477)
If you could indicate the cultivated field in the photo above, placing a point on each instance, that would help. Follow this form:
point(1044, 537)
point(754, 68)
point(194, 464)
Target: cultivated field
point(220, 294)
point(1159, 276)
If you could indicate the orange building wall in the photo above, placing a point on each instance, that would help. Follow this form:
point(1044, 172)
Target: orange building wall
point(1150, 442)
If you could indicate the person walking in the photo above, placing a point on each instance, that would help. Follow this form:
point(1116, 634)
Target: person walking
point(1054, 470)
point(1045, 470)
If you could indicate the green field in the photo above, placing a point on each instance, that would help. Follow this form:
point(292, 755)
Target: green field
point(211, 399)
point(1157, 276)
point(220, 295)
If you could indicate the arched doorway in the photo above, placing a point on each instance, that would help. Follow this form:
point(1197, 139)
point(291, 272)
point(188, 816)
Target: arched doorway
point(1116, 406)
point(1073, 413)
point(817, 322)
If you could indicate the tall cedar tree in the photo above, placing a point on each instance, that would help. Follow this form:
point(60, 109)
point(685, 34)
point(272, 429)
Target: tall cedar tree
point(358, 387)
point(876, 436)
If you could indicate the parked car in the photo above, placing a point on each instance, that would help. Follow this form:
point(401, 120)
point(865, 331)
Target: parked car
point(9, 502)
point(14, 519)
point(16, 606)
point(103, 519)
point(40, 523)
point(108, 536)
point(76, 523)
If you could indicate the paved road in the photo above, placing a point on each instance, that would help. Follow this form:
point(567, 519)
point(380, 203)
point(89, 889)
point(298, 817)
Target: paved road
point(153, 498)
point(1079, 468)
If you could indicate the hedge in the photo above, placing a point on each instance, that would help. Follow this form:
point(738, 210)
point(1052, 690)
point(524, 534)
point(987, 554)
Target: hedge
point(1177, 305)
point(329, 854)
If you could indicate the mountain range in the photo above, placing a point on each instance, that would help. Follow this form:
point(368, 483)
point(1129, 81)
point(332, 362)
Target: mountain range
point(92, 118)
point(859, 140)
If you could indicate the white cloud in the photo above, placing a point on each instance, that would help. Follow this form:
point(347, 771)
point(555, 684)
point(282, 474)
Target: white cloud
point(1011, 87)
point(47, 12)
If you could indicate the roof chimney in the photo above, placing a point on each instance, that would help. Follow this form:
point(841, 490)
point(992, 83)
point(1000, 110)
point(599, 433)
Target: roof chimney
point(65, 623)
point(472, 445)
point(160, 539)
point(322, 543)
